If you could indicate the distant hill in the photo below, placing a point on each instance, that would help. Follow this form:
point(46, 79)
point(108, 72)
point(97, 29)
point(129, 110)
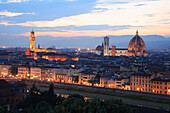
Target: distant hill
point(151, 41)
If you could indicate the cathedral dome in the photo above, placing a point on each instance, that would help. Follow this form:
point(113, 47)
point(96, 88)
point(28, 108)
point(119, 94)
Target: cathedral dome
point(137, 41)
point(136, 46)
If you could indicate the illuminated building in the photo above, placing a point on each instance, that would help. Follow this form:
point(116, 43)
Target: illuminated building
point(32, 40)
point(137, 46)
point(103, 82)
point(160, 85)
point(61, 75)
point(36, 73)
point(141, 82)
point(106, 51)
point(5, 69)
point(56, 56)
point(102, 50)
point(47, 74)
point(119, 51)
point(85, 76)
point(32, 49)
point(106, 46)
point(47, 53)
point(23, 71)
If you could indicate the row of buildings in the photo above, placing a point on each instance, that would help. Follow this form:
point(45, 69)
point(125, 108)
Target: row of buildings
point(107, 76)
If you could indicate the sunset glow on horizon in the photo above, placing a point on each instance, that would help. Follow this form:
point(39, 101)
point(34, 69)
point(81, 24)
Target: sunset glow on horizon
point(74, 18)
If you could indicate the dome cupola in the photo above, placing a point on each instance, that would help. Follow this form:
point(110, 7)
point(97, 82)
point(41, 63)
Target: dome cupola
point(136, 46)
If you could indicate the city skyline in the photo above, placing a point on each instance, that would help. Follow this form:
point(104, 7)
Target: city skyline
point(76, 18)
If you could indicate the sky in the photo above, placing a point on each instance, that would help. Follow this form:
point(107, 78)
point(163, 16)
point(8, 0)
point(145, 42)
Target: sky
point(74, 18)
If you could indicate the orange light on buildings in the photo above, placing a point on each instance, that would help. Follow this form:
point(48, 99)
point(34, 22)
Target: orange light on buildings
point(169, 90)
point(153, 90)
point(3, 47)
point(79, 49)
point(138, 89)
point(72, 65)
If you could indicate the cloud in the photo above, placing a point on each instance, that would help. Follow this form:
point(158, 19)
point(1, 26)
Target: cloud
point(70, 0)
point(109, 13)
point(88, 27)
point(12, 1)
point(111, 16)
point(139, 4)
point(12, 14)
point(149, 15)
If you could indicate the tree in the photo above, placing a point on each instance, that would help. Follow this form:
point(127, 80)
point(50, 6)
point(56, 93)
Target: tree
point(93, 82)
point(76, 96)
point(3, 110)
point(34, 90)
point(51, 89)
point(43, 107)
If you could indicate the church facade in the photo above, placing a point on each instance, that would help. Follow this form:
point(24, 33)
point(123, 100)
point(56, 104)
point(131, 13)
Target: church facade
point(136, 47)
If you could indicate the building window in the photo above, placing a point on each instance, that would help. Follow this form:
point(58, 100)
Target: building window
point(7, 100)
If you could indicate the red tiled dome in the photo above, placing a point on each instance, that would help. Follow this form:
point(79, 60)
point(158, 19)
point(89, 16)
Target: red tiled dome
point(136, 45)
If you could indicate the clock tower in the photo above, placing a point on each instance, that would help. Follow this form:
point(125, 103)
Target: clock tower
point(32, 40)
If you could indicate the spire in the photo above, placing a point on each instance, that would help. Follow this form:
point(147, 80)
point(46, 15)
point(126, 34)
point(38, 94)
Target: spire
point(32, 30)
point(136, 32)
point(38, 46)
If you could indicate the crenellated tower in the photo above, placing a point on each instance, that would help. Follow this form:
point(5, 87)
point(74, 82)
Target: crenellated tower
point(32, 40)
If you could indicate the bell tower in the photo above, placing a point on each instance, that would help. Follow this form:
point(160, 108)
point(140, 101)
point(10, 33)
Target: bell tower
point(32, 40)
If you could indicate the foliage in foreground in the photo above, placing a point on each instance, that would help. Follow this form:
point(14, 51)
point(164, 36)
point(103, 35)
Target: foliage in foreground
point(48, 102)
